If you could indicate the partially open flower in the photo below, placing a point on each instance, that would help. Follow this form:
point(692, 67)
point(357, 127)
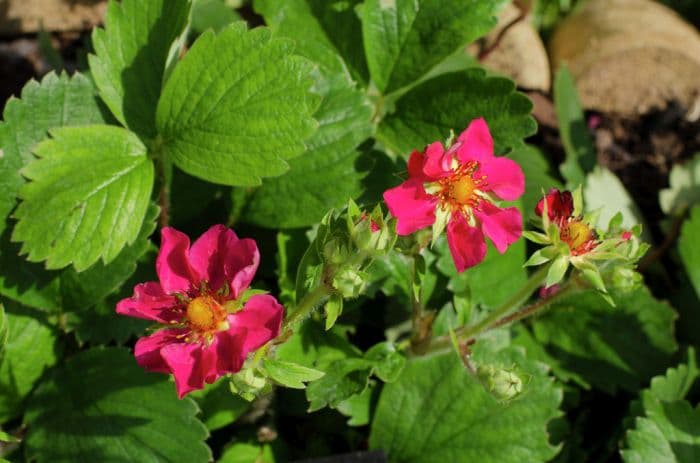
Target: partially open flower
point(571, 238)
point(200, 296)
point(459, 189)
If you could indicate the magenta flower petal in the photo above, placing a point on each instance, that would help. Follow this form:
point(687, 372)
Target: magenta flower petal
point(411, 205)
point(476, 143)
point(151, 303)
point(261, 317)
point(437, 163)
point(415, 165)
point(466, 243)
point(230, 350)
point(191, 365)
point(504, 177)
point(219, 257)
point(172, 265)
point(560, 205)
point(147, 350)
point(502, 226)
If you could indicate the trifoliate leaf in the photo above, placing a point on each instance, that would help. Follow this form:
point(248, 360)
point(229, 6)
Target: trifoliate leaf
point(688, 248)
point(404, 39)
point(438, 411)
point(56, 101)
point(326, 175)
point(236, 107)
point(450, 102)
point(30, 348)
point(73, 214)
point(608, 348)
point(131, 54)
point(290, 374)
point(676, 382)
point(100, 406)
point(580, 153)
point(327, 33)
point(685, 186)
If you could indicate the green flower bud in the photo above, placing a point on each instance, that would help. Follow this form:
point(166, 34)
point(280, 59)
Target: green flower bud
point(503, 384)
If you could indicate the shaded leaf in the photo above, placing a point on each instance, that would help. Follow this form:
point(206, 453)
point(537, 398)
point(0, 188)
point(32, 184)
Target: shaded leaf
point(102, 407)
point(450, 102)
point(688, 248)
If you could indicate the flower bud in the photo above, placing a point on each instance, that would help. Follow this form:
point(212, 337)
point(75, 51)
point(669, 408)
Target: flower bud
point(504, 384)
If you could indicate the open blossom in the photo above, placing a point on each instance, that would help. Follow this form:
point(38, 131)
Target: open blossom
point(458, 188)
point(210, 331)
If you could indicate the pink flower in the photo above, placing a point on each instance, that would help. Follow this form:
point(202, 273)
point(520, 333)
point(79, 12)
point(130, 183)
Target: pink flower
point(457, 189)
point(198, 296)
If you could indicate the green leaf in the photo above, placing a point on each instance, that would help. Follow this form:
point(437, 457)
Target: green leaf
point(333, 309)
point(605, 191)
point(580, 153)
point(388, 362)
point(220, 407)
point(101, 406)
point(404, 39)
point(669, 434)
point(58, 100)
point(325, 176)
point(4, 331)
point(358, 407)
point(688, 248)
point(314, 347)
point(81, 291)
point(327, 33)
point(211, 14)
point(609, 348)
point(450, 102)
point(236, 107)
point(343, 379)
point(290, 374)
point(131, 54)
point(71, 214)
point(30, 348)
point(666, 424)
point(28, 283)
point(684, 187)
point(438, 411)
point(242, 452)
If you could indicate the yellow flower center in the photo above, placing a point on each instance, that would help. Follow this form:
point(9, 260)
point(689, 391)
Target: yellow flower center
point(578, 236)
point(205, 314)
point(463, 189)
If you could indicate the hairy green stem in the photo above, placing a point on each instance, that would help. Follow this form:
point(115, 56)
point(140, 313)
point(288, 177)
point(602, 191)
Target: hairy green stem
point(307, 304)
